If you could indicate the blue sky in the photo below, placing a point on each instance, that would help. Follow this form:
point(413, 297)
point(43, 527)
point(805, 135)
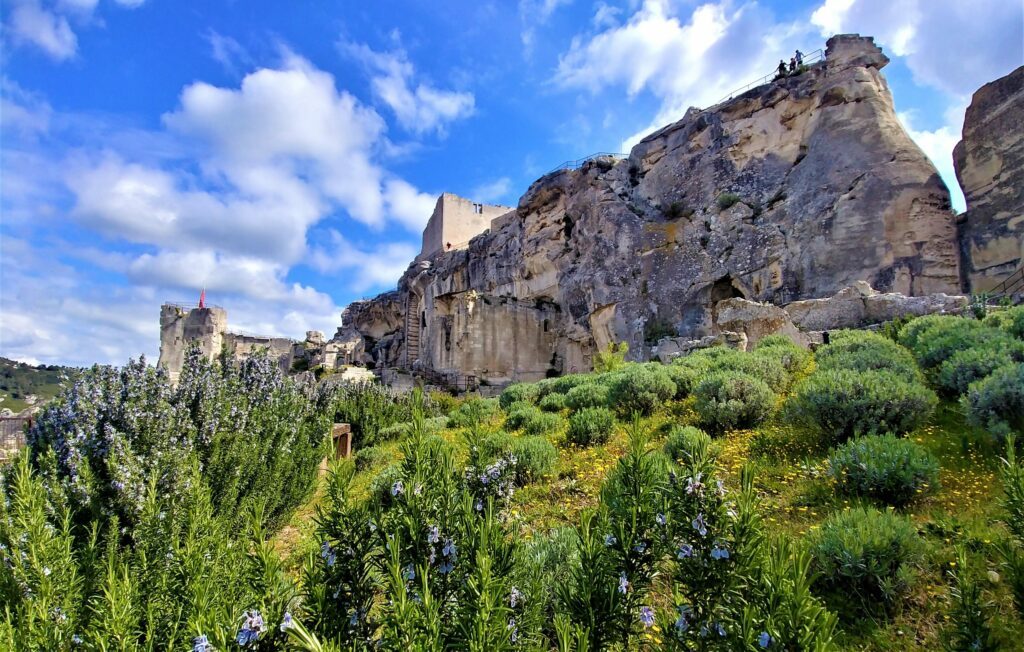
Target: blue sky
point(286, 155)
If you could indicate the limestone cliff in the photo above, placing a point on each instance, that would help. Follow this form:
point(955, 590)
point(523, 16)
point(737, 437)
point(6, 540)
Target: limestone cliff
point(990, 166)
point(793, 190)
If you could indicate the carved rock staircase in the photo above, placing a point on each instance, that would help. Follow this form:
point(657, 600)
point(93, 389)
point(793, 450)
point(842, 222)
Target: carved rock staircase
point(412, 330)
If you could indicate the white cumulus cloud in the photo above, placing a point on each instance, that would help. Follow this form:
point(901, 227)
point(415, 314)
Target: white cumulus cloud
point(419, 107)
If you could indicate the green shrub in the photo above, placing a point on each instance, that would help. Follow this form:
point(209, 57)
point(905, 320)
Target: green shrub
point(562, 384)
point(914, 330)
point(473, 411)
point(592, 394)
point(866, 351)
point(535, 458)
point(767, 368)
point(685, 379)
point(590, 426)
point(842, 403)
point(532, 420)
point(790, 355)
point(400, 431)
point(996, 403)
point(864, 558)
point(369, 457)
point(884, 468)
point(641, 389)
point(938, 343)
point(369, 408)
point(517, 392)
point(1010, 320)
point(495, 445)
point(612, 358)
point(964, 367)
point(686, 442)
point(727, 200)
point(553, 403)
point(727, 400)
point(382, 484)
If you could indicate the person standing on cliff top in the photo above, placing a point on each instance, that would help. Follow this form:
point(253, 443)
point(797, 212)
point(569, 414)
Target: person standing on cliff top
point(799, 58)
point(792, 65)
point(782, 69)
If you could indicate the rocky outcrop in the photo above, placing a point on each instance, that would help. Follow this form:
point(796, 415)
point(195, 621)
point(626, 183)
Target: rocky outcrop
point(859, 305)
point(793, 190)
point(989, 163)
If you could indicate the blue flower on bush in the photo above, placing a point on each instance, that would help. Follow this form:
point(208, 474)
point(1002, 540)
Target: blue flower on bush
point(76, 639)
point(252, 628)
point(700, 525)
point(433, 534)
point(409, 573)
point(683, 622)
point(647, 616)
point(623, 583)
point(719, 551)
point(327, 552)
point(287, 622)
point(640, 547)
point(694, 485)
point(660, 518)
point(201, 644)
point(610, 540)
point(685, 551)
point(398, 488)
point(515, 597)
point(450, 550)
point(514, 636)
point(446, 568)
point(764, 640)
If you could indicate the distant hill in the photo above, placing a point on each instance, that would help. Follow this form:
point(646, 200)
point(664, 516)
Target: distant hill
point(20, 381)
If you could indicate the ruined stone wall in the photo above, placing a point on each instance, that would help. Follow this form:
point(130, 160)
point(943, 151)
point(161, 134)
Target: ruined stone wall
point(456, 221)
point(989, 163)
point(284, 350)
point(180, 325)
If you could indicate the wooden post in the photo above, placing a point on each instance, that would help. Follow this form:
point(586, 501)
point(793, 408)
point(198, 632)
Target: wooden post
point(341, 436)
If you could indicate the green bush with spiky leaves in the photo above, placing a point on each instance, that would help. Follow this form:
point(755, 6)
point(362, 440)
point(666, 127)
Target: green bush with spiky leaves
point(790, 355)
point(590, 426)
point(842, 403)
point(686, 442)
point(593, 394)
point(535, 457)
point(726, 400)
point(766, 368)
point(884, 468)
point(866, 351)
point(518, 392)
point(864, 559)
point(996, 402)
point(552, 403)
point(956, 374)
point(532, 420)
point(640, 388)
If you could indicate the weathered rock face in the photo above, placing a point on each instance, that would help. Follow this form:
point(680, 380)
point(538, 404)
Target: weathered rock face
point(790, 191)
point(989, 163)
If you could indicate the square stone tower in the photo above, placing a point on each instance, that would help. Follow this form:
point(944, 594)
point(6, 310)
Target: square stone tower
point(180, 325)
point(454, 222)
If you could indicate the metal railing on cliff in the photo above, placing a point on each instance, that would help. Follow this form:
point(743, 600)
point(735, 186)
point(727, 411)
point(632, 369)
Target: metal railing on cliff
point(578, 163)
point(809, 59)
point(191, 306)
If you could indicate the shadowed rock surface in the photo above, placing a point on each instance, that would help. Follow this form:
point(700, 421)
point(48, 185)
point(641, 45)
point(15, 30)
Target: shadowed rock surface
point(989, 163)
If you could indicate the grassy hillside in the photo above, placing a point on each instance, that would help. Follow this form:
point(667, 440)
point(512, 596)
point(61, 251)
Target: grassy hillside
point(954, 516)
point(18, 380)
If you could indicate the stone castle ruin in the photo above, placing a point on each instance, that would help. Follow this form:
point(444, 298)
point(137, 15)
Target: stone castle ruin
point(746, 216)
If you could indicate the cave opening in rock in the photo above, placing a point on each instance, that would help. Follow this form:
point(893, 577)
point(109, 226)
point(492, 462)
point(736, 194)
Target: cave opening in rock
point(725, 288)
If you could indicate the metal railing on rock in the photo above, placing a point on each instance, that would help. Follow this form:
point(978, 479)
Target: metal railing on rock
point(578, 163)
point(809, 59)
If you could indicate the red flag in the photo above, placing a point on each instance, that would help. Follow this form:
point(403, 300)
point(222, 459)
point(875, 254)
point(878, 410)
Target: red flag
point(202, 298)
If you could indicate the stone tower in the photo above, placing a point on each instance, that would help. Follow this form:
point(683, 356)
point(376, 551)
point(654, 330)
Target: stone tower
point(454, 222)
point(181, 325)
